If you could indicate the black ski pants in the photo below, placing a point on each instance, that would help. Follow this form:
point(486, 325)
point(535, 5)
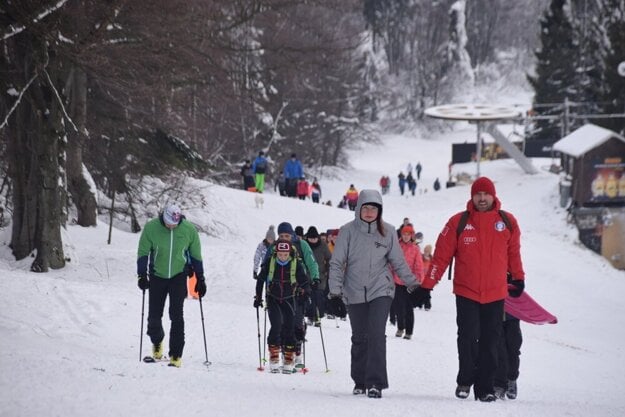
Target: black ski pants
point(403, 309)
point(368, 352)
point(160, 288)
point(282, 319)
point(479, 330)
point(509, 353)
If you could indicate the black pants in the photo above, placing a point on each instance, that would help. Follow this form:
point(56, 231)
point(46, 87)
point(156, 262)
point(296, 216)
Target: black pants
point(282, 319)
point(403, 309)
point(160, 288)
point(368, 353)
point(479, 330)
point(509, 351)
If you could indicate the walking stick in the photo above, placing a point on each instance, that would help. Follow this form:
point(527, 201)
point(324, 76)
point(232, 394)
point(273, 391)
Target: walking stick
point(206, 362)
point(260, 360)
point(323, 345)
point(141, 336)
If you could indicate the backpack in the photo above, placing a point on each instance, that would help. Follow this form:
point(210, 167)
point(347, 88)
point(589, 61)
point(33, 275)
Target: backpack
point(463, 222)
point(261, 166)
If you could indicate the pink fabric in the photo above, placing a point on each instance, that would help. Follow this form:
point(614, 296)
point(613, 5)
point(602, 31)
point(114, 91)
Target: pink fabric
point(525, 308)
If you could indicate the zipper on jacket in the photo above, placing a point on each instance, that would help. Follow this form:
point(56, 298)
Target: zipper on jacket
point(171, 250)
point(366, 295)
point(281, 283)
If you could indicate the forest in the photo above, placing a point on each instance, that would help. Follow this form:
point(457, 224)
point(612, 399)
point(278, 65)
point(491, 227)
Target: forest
point(108, 104)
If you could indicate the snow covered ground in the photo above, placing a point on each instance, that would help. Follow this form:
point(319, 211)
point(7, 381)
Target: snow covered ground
point(70, 338)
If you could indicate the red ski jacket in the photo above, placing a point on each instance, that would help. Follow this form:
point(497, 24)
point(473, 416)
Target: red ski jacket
point(484, 251)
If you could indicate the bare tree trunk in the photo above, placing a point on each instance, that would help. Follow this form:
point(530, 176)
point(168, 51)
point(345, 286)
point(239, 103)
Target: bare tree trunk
point(79, 188)
point(35, 151)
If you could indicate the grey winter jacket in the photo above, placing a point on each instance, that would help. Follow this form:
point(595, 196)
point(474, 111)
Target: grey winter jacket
point(360, 264)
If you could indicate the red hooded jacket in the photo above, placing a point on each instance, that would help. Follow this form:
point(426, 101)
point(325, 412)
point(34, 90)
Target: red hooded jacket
point(412, 253)
point(485, 251)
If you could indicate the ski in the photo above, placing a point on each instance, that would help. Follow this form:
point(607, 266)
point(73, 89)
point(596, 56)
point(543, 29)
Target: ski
point(150, 359)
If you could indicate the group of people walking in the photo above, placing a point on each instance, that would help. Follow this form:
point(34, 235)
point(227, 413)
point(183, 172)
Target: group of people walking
point(362, 271)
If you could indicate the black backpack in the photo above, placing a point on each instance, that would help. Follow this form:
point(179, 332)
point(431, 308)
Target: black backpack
point(463, 222)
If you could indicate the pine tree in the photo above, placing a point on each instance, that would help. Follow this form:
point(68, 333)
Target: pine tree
point(555, 76)
point(613, 98)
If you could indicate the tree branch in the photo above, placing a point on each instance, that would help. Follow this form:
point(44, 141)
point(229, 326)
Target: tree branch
point(17, 102)
point(58, 97)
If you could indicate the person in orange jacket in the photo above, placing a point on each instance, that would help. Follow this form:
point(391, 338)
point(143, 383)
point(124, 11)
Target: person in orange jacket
point(352, 197)
point(486, 249)
point(402, 304)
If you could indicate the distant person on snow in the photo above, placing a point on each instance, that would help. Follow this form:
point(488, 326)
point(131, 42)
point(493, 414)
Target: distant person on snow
point(293, 171)
point(302, 188)
point(315, 191)
point(164, 245)
point(261, 249)
point(280, 184)
point(259, 166)
point(248, 175)
point(412, 183)
point(437, 185)
point(351, 196)
point(402, 182)
point(486, 249)
point(418, 170)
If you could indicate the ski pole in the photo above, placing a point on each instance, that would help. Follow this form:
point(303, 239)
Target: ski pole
point(265, 330)
point(323, 345)
point(141, 336)
point(260, 360)
point(207, 362)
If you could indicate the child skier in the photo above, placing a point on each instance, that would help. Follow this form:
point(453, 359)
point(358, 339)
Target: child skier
point(284, 279)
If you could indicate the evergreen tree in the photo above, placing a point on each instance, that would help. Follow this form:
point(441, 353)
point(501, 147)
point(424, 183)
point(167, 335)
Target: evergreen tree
point(555, 76)
point(613, 98)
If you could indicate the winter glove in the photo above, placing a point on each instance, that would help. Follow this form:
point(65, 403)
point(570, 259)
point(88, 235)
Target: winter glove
point(143, 282)
point(303, 296)
point(258, 302)
point(516, 287)
point(335, 306)
point(419, 296)
point(255, 275)
point(200, 286)
point(315, 284)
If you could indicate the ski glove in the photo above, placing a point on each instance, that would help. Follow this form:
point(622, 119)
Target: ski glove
point(258, 302)
point(516, 287)
point(315, 284)
point(188, 269)
point(143, 282)
point(419, 296)
point(335, 306)
point(200, 287)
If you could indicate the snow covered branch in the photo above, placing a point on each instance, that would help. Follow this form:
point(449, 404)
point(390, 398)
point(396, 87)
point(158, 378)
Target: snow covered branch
point(17, 102)
point(58, 97)
point(18, 29)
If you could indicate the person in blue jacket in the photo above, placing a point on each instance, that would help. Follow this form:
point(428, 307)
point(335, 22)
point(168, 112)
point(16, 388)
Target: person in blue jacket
point(293, 171)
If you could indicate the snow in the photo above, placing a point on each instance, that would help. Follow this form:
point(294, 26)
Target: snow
point(70, 338)
point(584, 139)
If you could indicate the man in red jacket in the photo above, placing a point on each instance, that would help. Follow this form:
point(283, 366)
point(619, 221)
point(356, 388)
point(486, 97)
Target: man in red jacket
point(486, 249)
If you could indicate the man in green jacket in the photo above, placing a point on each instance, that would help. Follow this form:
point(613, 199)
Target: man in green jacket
point(167, 245)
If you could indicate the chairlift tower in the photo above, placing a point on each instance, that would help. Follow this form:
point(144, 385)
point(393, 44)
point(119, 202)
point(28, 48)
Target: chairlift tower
point(485, 116)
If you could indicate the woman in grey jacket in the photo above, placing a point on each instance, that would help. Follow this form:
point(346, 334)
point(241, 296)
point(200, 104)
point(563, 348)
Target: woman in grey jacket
point(360, 274)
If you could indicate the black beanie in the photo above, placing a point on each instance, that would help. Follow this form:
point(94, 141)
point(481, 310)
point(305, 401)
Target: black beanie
point(312, 232)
